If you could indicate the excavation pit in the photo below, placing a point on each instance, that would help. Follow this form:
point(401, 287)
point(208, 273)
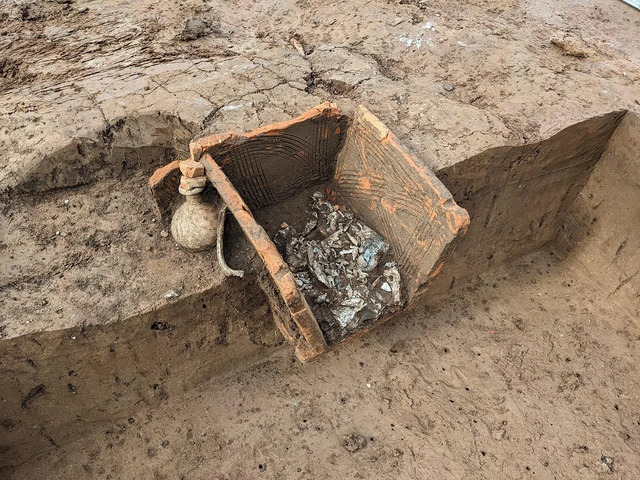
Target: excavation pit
point(550, 258)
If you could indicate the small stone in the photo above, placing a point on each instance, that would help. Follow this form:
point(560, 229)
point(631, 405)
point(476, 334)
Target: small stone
point(66, 201)
point(31, 12)
point(53, 32)
point(322, 299)
point(372, 249)
point(194, 29)
point(606, 463)
point(448, 87)
point(352, 443)
point(386, 287)
point(295, 43)
point(572, 45)
point(171, 294)
point(164, 234)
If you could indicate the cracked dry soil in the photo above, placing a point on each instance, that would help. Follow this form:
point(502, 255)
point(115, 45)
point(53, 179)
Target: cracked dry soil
point(531, 371)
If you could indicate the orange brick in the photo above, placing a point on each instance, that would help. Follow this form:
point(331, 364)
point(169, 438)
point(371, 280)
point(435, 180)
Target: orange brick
point(191, 169)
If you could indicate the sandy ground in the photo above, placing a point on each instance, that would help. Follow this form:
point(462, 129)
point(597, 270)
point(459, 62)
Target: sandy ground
point(514, 378)
point(530, 371)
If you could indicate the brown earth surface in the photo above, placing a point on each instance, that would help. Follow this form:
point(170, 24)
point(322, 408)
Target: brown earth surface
point(531, 373)
point(530, 370)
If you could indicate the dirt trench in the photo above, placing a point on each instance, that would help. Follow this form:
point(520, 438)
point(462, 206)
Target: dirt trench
point(545, 214)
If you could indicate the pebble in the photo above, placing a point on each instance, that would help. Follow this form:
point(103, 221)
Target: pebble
point(171, 294)
point(53, 32)
point(352, 443)
point(194, 29)
point(322, 299)
point(295, 43)
point(164, 234)
point(606, 463)
point(448, 87)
